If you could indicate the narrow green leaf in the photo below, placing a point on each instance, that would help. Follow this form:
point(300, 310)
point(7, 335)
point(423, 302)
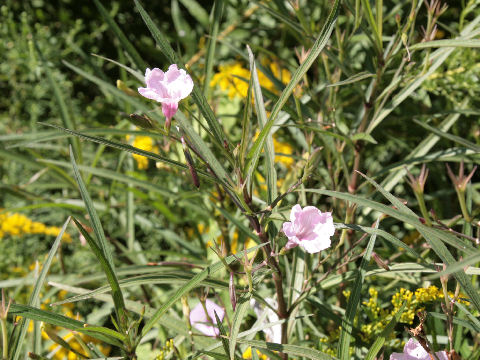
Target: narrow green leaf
point(473, 319)
point(466, 324)
point(59, 97)
point(127, 45)
point(94, 219)
point(60, 341)
point(262, 120)
point(130, 149)
point(208, 271)
point(57, 173)
point(422, 149)
point(458, 266)
point(387, 236)
point(448, 136)
point(314, 52)
point(101, 333)
point(130, 180)
point(222, 333)
point(118, 94)
point(117, 295)
point(242, 306)
point(402, 216)
point(353, 79)
point(373, 25)
point(474, 43)
point(138, 75)
point(293, 350)
point(433, 237)
point(217, 11)
point(197, 11)
point(204, 150)
point(438, 58)
point(34, 296)
point(364, 136)
point(354, 301)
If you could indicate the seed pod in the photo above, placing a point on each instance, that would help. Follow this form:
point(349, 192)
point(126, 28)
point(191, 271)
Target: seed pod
point(190, 165)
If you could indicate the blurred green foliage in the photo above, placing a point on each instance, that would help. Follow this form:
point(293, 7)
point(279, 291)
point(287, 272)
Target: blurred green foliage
point(156, 214)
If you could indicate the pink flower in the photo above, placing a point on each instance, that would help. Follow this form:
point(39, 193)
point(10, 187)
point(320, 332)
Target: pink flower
point(199, 319)
point(167, 88)
point(309, 228)
point(414, 351)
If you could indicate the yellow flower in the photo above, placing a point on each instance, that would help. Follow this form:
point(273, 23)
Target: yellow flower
point(143, 143)
point(18, 224)
point(234, 78)
point(283, 152)
point(247, 354)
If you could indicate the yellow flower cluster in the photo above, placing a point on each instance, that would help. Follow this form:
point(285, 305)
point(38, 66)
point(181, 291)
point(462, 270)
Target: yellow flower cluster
point(234, 78)
point(411, 308)
point(144, 143)
point(380, 316)
point(166, 349)
point(417, 299)
point(15, 224)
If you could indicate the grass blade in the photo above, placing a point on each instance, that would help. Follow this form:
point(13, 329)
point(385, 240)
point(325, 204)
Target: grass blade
point(211, 45)
point(117, 295)
point(94, 219)
point(104, 334)
point(131, 149)
point(446, 43)
point(293, 350)
point(354, 301)
point(127, 45)
point(314, 52)
point(57, 93)
point(448, 136)
point(240, 312)
point(210, 270)
point(262, 119)
point(34, 297)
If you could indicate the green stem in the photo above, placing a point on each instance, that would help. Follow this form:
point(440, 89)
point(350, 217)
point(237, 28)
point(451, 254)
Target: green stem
point(463, 205)
point(4, 338)
point(423, 208)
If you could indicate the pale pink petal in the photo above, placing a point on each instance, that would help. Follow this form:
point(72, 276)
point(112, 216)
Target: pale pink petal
point(199, 320)
point(213, 308)
point(292, 242)
point(150, 94)
point(173, 73)
point(167, 88)
point(169, 109)
point(314, 246)
point(441, 355)
point(297, 209)
point(309, 228)
point(288, 229)
point(415, 350)
point(154, 77)
point(398, 356)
